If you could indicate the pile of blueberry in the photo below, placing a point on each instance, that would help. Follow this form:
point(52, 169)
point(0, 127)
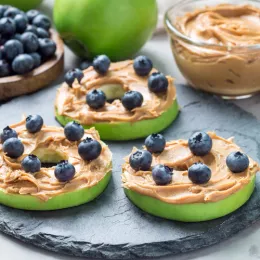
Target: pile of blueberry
point(200, 144)
point(24, 40)
point(89, 149)
point(96, 99)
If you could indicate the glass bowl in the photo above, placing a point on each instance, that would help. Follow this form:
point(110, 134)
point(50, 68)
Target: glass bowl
point(229, 70)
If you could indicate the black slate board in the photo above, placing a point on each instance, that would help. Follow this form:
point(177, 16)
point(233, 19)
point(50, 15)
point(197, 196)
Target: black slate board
point(110, 226)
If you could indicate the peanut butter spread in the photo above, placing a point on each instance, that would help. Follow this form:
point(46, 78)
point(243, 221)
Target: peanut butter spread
point(225, 24)
point(222, 63)
point(43, 184)
point(178, 156)
point(71, 102)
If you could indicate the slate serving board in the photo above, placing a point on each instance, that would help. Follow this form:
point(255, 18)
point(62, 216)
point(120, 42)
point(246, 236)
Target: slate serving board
point(110, 226)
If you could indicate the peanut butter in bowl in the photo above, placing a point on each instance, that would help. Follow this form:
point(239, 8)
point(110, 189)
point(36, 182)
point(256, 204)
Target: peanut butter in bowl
point(216, 45)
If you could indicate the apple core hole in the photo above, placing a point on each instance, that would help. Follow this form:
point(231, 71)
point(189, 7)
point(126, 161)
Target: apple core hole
point(112, 91)
point(49, 157)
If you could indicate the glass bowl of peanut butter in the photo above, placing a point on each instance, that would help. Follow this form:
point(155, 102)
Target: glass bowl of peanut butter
point(216, 45)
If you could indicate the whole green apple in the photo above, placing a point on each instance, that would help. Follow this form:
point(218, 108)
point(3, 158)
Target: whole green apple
point(117, 28)
point(22, 4)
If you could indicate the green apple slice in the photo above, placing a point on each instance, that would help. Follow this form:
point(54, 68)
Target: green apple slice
point(130, 130)
point(194, 212)
point(64, 200)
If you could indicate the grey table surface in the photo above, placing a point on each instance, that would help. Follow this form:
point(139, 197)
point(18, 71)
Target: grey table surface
point(244, 245)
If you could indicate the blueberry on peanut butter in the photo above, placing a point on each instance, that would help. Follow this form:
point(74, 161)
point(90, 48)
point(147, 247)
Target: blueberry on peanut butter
point(101, 64)
point(31, 163)
point(89, 149)
point(158, 83)
point(199, 173)
point(96, 98)
point(13, 147)
point(162, 175)
point(7, 133)
point(132, 99)
point(73, 131)
point(141, 160)
point(200, 143)
point(155, 143)
point(64, 171)
point(142, 65)
point(34, 123)
point(237, 162)
point(73, 74)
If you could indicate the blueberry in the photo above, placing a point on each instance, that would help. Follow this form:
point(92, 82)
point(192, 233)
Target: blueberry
point(101, 64)
point(157, 82)
point(237, 162)
point(155, 143)
point(85, 64)
point(17, 37)
point(42, 33)
point(30, 42)
point(20, 22)
point(47, 47)
point(31, 163)
point(162, 175)
point(5, 69)
point(73, 131)
point(89, 149)
point(73, 74)
point(22, 64)
point(31, 28)
point(141, 160)
point(12, 48)
point(31, 14)
point(199, 173)
point(96, 98)
point(142, 65)
point(11, 12)
point(3, 39)
point(13, 147)
point(42, 21)
point(64, 171)
point(200, 143)
point(7, 26)
point(7, 133)
point(36, 59)
point(3, 8)
point(34, 123)
point(132, 99)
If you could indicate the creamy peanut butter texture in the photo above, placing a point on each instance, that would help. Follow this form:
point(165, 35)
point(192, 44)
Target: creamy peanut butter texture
point(178, 156)
point(71, 102)
point(221, 68)
point(43, 184)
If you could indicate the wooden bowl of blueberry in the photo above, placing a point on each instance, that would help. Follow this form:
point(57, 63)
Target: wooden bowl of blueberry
point(31, 53)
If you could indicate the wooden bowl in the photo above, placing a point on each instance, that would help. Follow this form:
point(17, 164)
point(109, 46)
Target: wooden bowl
point(36, 79)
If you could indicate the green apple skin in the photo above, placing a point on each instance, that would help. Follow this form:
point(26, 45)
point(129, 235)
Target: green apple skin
point(24, 5)
point(65, 200)
point(129, 131)
point(113, 27)
point(195, 212)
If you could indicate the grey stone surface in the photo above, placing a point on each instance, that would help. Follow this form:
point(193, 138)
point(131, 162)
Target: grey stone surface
point(111, 226)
